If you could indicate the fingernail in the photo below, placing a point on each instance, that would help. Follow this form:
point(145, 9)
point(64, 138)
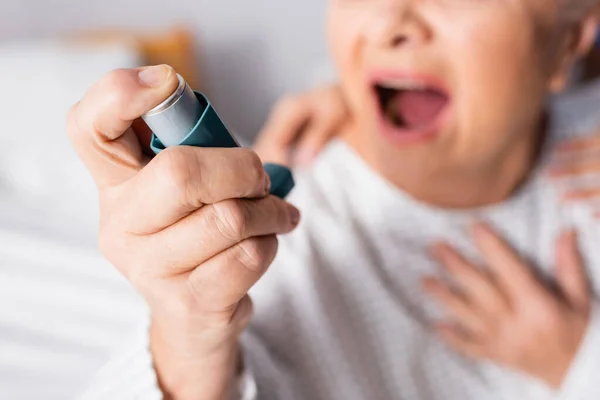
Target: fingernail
point(153, 76)
point(267, 184)
point(294, 215)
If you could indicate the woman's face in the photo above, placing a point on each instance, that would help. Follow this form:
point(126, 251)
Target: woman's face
point(441, 86)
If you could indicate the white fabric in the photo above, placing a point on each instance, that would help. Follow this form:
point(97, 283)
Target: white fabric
point(62, 309)
point(39, 170)
point(340, 314)
point(62, 306)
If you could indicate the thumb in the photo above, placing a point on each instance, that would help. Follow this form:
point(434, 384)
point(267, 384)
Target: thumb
point(100, 124)
point(570, 272)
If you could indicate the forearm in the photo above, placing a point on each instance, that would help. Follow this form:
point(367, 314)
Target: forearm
point(193, 363)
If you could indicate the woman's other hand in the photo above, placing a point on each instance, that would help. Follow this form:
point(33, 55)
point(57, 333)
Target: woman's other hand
point(577, 169)
point(503, 312)
point(300, 126)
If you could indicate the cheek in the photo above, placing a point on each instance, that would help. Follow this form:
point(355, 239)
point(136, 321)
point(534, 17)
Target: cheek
point(346, 45)
point(499, 77)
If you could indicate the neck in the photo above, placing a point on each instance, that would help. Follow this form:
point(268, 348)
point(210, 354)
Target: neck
point(490, 182)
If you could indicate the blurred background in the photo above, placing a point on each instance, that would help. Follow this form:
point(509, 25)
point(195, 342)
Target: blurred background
point(62, 307)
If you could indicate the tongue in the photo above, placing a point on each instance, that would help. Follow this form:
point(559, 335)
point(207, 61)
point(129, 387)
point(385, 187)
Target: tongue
point(417, 108)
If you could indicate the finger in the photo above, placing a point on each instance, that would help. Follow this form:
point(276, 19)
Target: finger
point(575, 168)
point(570, 273)
point(513, 276)
point(579, 144)
point(144, 135)
point(479, 288)
point(456, 306)
point(182, 179)
point(328, 117)
point(217, 227)
point(457, 340)
point(582, 194)
point(315, 138)
point(221, 282)
point(288, 119)
point(99, 125)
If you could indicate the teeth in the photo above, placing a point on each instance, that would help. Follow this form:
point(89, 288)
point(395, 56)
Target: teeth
point(403, 85)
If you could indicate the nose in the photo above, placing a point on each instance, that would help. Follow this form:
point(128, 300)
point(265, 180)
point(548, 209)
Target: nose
point(399, 25)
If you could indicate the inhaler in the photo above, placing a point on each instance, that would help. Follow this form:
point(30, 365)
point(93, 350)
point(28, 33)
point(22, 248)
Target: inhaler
point(187, 118)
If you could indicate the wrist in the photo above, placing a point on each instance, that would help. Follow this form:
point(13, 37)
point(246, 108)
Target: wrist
point(555, 372)
point(193, 360)
point(576, 383)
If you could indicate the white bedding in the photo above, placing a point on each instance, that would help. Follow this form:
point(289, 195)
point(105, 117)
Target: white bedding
point(62, 307)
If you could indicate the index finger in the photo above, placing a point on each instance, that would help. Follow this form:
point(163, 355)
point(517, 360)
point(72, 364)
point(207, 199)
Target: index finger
point(580, 144)
point(506, 266)
point(182, 179)
point(287, 121)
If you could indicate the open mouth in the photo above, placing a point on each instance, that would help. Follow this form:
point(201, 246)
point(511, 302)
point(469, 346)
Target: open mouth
point(410, 107)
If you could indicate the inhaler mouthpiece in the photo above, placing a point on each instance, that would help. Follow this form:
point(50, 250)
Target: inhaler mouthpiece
point(187, 118)
point(173, 119)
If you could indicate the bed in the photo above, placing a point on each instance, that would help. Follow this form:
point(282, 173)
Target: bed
point(62, 307)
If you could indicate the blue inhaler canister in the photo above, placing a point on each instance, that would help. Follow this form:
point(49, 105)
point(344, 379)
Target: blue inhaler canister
point(187, 118)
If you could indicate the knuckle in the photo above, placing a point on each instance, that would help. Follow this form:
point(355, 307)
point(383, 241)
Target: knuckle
point(113, 84)
point(254, 164)
point(174, 168)
point(256, 254)
point(110, 92)
point(231, 218)
point(546, 320)
point(280, 209)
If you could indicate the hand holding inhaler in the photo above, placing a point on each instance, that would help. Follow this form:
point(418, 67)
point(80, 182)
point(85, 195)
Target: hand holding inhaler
point(193, 228)
point(187, 118)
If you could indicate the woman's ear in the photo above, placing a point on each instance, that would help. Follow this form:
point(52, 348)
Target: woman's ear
point(578, 43)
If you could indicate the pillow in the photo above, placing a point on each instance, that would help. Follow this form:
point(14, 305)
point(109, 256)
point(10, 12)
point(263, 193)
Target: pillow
point(40, 173)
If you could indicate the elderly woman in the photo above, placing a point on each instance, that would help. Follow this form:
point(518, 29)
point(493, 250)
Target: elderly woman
point(434, 260)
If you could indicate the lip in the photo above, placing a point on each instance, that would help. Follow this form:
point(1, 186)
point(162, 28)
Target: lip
point(401, 136)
